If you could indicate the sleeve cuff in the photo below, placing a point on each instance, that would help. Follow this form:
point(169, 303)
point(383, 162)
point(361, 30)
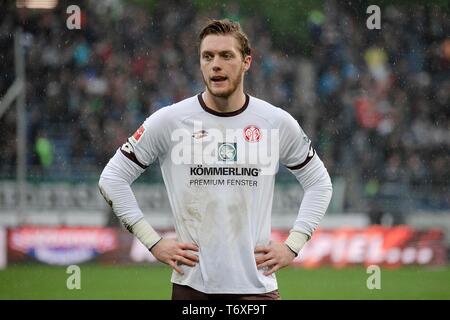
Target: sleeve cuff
point(145, 233)
point(296, 240)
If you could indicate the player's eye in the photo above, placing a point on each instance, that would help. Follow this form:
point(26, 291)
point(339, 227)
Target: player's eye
point(207, 56)
point(227, 56)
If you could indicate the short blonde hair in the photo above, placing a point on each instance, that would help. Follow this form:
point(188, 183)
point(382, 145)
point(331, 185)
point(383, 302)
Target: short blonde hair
point(224, 27)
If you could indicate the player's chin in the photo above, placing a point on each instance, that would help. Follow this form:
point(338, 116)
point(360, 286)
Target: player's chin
point(224, 92)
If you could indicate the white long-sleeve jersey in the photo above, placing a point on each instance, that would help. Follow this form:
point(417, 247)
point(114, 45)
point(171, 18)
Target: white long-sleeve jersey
point(219, 170)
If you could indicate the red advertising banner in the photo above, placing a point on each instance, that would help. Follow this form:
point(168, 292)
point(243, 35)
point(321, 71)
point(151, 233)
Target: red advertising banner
point(60, 245)
point(384, 246)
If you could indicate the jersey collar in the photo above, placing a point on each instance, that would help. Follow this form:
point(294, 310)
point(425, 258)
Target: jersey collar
point(223, 114)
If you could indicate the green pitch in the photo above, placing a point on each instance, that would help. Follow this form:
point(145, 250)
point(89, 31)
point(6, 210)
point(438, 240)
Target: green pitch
point(153, 282)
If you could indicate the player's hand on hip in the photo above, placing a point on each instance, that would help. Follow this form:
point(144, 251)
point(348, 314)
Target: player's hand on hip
point(274, 257)
point(173, 253)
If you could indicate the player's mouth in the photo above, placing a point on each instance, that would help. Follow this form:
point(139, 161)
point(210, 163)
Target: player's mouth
point(218, 79)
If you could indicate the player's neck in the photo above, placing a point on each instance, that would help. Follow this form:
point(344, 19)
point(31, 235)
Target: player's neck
point(223, 105)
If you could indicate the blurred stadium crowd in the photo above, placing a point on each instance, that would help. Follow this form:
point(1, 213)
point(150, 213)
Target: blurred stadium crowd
point(376, 103)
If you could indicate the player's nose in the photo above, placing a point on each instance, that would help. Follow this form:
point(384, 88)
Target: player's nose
point(216, 64)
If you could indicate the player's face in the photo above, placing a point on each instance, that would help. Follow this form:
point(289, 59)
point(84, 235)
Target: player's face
point(222, 64)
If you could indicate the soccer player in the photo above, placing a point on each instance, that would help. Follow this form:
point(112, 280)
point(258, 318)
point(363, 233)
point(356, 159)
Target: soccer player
point(219, 152)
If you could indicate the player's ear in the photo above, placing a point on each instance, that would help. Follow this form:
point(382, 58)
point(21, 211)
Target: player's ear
point(247, 62)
